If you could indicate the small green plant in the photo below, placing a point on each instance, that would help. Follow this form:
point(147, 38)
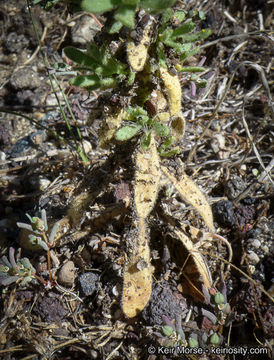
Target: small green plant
point(173, 335)
point(47, 4)
point(222, 315)
point(37, 232)
point(139, 64)
point(103, 70)
point(36, 236)
point(137, 121)
point(16, 269)
point(147, 55)
point(181, 39)
point(125, 10)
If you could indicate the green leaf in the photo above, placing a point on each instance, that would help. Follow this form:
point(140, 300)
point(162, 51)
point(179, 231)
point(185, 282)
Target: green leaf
point(167, 330)
point(180, 15)
point(167, 142)
point(187, 47)
point(169, 153)
point(136, 112)
point(201, 83)
point(163, 148)
point(185, 28)
point(126, 14)
point(192, 69)
point(113, 67)
point(79, 57)
point(214, 339)
point(156, 5)
point(201, 35)
point(201, 15)
point(115, 27)
point(160, 129)
point(193, 343)
point(166, 35)
point(175, 45)
point(97, 6)
point(219, 298)
point(130, 2)
point(89, 81)
point(166, 15)
point(107, 83)
point(26, 263)
point(131, 78)
point(145, 140)
point(187, 54)
point(94, 52)
point(127, 132)
point(161, 55)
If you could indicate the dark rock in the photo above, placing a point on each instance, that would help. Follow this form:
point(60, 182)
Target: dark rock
point(88, 283)
point(49, 308)
point(162, 302)
point(20, 147)
point(24, 294)
point(223, 213)
point(244, 214)
point(234, 187)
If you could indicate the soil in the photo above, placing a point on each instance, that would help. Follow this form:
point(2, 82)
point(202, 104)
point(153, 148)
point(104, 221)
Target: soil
point(76, 312)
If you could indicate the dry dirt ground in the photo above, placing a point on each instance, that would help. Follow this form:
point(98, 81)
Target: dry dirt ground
point(227, 150)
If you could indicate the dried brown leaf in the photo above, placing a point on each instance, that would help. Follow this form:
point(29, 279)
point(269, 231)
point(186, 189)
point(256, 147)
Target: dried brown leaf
point(193, 195)
point(199, 269)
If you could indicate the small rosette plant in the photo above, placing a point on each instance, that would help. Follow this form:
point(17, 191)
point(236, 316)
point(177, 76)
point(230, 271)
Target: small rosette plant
point(36, 235)
point(14, 269)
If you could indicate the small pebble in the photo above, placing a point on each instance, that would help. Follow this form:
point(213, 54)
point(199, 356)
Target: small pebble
point(84, 30)
point(25, 78)
point(39, 183)
point(87, 146)
point(88, 283)
point(253, 257)
point(2, 156)
point(252, 269)
point(256, 243)
point(93, 354)
point(115, 291)
point(265, 249)
point(66, 275)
